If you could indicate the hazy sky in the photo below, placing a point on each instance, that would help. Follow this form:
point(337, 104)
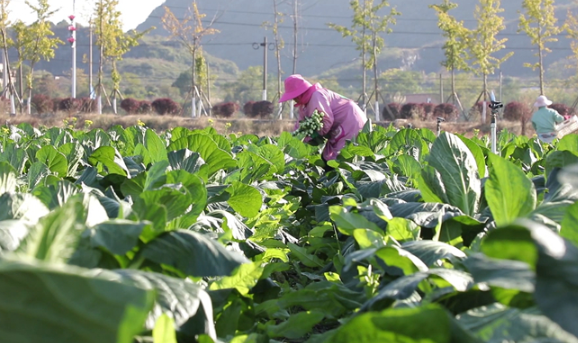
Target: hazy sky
point(133, 12)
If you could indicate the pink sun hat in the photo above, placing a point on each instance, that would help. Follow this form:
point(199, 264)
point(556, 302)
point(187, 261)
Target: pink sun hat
point(295, 85)
point(542, 101)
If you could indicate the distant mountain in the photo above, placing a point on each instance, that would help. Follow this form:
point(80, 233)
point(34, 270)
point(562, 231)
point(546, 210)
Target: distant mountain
point(415, 40)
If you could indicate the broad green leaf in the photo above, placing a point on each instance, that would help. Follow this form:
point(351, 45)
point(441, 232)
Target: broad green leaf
point(458, 171)
point(560, 159)
point(215, 158)
point(244, 199)
point(509, 193)
point(175, 198)
point(556, 277)
point(348, 222)
point(73, 152)
point(570, 223)
point(55, 238)
point(184, 301)
point(402, 229)
point(22, 206)
point(56, 161)
point(244, 278)
point(408, 140)
point(164, 330)
point(505, 274)
point(568, 143)
point(406, 286)
point(478, 155)
point(110, 159)
point(497, 324)
point(306, 258)
point(406, 165)
point(12, 232)
point(117, 236)
point(297, 325)
point(426, 324)
point(192, 253)
point(57, 194)
point(186, 160)
point(155, 146)
point(7, 178)
point(513, 242)
point(15, 156)
point(106, 310)
point(430, 252)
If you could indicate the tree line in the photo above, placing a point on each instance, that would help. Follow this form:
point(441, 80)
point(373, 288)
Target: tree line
point(477, 49)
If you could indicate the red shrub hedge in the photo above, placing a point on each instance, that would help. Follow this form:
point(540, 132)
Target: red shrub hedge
point(412, 111)
point(166, 106)
point(563, 109)
point(225, 109)
point(248, 108)
point(394, 108)
point(516, 111)
point(428, 109)
point(42, 103)
point(88, 105)
point(70, 105)
point(262, 109)
point(447, 111)
point(145, 107)
point(130, 105)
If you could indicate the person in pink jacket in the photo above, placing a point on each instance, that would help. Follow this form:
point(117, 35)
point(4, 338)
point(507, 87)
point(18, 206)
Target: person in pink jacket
point(343, 119)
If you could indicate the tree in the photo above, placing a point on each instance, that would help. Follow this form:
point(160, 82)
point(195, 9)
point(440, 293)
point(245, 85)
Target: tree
point(189, 32)
point(540, 24)
point(6, 43)
point(455, 45)
point(113, 43)
point(39, 42)
point(366, 26)
point(571, 27)
point(19, 37)
point(483, 44)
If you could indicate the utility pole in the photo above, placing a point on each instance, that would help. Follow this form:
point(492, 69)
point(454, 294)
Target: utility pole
point(265, 46)
point(90, 33)
point(72, 41)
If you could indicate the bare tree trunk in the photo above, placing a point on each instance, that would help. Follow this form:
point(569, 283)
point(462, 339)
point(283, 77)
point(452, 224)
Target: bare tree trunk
point(277, 53)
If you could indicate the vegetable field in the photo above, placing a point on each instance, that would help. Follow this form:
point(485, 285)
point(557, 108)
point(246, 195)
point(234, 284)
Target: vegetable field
point(130, 235)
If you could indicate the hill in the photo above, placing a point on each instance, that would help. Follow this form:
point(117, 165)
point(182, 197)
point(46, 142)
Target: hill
point(415, 41)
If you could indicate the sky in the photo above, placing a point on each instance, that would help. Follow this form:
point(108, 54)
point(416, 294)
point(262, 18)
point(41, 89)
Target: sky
point(134, 12)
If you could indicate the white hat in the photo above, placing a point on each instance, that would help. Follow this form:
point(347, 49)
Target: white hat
point(542, 101)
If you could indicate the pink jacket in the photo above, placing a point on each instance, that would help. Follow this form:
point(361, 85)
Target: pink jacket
point(343, 119)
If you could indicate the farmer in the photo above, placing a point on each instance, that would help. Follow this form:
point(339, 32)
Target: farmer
point(544, 120)
point(342, 121)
